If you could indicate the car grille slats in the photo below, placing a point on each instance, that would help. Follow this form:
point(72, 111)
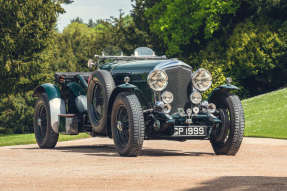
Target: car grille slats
point(179, 83)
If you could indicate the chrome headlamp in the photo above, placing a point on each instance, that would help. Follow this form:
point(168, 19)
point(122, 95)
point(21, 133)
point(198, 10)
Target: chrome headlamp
point(157, 80)
point(195, 97)
point(167, 97)
point(202, 79)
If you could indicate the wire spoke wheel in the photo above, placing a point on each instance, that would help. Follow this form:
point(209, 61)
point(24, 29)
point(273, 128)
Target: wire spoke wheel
point(44, 134)
point(127, 123)
point(122, 130)
point(98, 102)
point(226, 138)
point(42, 121)
point(223, 130)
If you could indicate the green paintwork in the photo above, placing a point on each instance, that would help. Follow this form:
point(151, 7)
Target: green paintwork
point(107, 66)
point(224, 88)
point(76, 89)
point(83, 82)
point(137, 67)
point(51, 90)
point(127, 86)
point(138, 72)
point(228, 86)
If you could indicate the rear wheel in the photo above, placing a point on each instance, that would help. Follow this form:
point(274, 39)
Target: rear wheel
point(127, 125)
point(44, 134)
point(227, 137)
point(99, 92)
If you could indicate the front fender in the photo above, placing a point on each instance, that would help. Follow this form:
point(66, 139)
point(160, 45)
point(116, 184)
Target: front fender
point(126, 88)
point(122, 88)
point(56, 103)
point(223, 89)
point(50, 89)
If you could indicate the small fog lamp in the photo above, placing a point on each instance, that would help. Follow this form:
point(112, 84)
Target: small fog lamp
point(211, 108)
point(167, 97)
point(195, 97)
point(195, 110)
point(167, 108)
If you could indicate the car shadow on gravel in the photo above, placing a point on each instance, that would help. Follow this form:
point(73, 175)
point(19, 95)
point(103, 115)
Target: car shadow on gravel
point(243, 183)
point(110, 151)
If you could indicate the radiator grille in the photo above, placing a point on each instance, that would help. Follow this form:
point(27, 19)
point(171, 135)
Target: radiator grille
point(179, 83)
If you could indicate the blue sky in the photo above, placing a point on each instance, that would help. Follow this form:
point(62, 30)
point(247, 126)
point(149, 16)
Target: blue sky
point(92, 9)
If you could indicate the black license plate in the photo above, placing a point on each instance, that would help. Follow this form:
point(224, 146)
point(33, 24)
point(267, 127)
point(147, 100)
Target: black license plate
point(190, 131)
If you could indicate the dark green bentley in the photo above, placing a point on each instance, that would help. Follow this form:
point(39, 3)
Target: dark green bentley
point(136, 98)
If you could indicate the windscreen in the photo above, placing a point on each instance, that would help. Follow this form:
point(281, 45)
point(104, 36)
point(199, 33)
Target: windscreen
point(144, 51)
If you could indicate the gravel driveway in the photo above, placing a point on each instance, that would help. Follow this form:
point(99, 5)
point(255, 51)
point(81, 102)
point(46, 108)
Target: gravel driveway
point(93, 164)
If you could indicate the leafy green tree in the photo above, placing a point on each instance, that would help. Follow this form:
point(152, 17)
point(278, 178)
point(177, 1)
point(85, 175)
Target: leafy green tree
point(142, 23)
point(73, 47)
point(245, 39)
point(77, 20)
point(126, 35)
point(91, 23)
point(184, 25)
point(25, 32)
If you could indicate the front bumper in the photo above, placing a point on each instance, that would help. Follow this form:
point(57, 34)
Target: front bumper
point(167, 126)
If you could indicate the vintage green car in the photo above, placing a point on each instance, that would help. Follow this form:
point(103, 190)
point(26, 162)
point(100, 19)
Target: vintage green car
point(137, 98)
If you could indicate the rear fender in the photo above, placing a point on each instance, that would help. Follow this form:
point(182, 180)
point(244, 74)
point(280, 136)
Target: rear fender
point(56, 103)
point(130, 88)
point(223, 89)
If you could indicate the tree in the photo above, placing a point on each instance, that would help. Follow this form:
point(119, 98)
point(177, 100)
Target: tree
point(26, 28)
point(184, 25)
point(91, 23)
point(142, 23)
point(245, 39)
point(73, 48)
point(77, 20)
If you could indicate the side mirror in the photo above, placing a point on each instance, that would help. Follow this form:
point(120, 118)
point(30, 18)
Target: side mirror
point(91, 63)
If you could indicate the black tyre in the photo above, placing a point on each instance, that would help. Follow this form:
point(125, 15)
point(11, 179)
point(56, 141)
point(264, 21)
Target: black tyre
point(127, 125)
point(227, 137)
point(45, 136)
point(99, 92)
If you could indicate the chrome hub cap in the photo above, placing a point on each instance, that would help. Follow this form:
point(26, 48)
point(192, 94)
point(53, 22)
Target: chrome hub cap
point(119, 126)
point(39, 122)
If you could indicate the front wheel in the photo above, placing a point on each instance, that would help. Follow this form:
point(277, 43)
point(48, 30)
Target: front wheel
point(227, 137)
point(127, 124)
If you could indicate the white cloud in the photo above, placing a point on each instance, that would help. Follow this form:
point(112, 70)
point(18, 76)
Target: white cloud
point(92, 9)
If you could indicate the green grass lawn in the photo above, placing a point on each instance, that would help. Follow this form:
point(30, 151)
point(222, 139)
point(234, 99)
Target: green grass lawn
point(22, 139)
point(266, 115)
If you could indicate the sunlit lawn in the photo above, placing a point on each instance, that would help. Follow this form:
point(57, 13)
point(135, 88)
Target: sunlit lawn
point(266, 115)
point(22, 139)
